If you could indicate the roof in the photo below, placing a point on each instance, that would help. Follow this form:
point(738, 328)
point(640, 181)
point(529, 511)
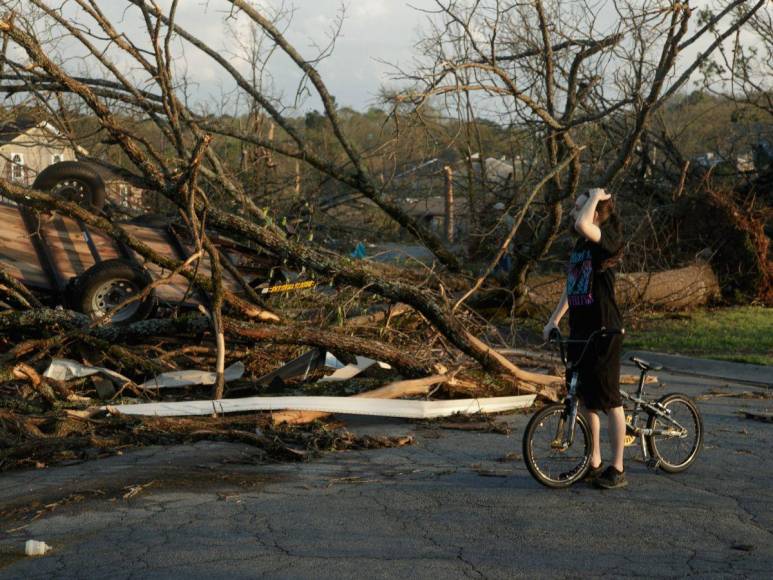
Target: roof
point(433, 206)
point(496, 169)
point(19, 126)
point(9, 131)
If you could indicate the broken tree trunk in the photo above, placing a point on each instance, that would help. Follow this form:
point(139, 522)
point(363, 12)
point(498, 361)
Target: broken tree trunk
point(672, 290)
point(406, 362)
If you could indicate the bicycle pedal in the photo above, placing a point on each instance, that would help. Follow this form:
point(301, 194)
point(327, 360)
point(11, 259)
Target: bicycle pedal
point(653, 464)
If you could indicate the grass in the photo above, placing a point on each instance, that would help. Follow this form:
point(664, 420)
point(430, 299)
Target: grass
point(740, 334)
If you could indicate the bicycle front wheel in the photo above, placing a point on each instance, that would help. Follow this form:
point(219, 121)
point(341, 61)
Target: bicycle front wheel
point(549, 458)
point(677, 439)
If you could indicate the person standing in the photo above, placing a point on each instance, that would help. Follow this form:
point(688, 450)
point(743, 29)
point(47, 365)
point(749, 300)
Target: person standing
point(589, 296)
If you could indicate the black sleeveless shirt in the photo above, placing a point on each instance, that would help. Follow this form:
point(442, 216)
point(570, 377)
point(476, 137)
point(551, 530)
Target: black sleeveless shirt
point(590, 287)
point(590, 290)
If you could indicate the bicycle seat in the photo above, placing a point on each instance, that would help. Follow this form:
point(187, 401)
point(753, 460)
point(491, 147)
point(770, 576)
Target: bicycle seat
point(644, 365)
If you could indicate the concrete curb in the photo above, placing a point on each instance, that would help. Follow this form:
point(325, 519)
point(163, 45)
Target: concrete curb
point(759, 375)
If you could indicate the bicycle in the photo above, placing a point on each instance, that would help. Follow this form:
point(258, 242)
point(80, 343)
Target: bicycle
point(670, 439)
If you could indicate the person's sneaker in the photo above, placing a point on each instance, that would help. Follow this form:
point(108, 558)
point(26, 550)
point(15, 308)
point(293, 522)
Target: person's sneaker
point(611, 479)
point(594, 473)
point(589, 476)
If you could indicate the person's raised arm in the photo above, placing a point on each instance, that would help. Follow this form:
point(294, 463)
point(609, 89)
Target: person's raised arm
point(558, 314)
point(584, 222)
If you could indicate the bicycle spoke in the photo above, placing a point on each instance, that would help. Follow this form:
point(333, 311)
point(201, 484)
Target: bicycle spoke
point(553, 464)
point(677, 437)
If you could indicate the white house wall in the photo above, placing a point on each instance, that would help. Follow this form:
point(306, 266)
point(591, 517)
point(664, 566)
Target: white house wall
point(38, 148)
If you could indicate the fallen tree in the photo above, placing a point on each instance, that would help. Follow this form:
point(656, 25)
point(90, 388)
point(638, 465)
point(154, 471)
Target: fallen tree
point(682, 288)
point(339, 269)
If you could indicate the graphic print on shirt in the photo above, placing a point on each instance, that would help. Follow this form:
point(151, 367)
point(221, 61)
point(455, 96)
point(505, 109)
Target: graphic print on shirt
point(579, 285)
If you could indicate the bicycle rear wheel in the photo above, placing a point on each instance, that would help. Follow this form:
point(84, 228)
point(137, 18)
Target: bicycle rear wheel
point(676, 449)
point(546, 459)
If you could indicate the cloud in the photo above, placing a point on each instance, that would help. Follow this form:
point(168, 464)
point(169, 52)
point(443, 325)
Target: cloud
point(372, 30)
point(372, 9)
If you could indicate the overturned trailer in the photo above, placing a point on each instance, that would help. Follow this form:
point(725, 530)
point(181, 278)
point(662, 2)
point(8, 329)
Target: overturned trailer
point(68, 263)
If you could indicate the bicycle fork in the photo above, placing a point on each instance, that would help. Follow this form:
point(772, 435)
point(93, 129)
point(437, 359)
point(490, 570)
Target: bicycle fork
point(565, 432)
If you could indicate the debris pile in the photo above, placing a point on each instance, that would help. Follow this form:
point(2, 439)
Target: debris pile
point(75, 388)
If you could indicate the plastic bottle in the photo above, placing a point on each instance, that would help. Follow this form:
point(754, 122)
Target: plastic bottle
point(35, 548)
point(28, 548)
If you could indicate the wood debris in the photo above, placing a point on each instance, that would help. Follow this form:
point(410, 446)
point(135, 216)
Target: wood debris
point(765, 416)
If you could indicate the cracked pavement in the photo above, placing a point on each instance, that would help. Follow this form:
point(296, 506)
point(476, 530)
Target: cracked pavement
point(451, 506)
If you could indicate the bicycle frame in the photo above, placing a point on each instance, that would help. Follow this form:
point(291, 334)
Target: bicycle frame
point(566, 428)
point(641, 404)
point(565, 431)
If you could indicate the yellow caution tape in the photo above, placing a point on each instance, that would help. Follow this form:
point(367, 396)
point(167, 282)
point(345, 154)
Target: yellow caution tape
point(289, 287)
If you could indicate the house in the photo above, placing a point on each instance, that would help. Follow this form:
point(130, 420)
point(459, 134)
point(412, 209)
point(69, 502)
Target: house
point(425, 176)
point(715, 161)
point(498, 172)
point(27, 147)
point(432, 211)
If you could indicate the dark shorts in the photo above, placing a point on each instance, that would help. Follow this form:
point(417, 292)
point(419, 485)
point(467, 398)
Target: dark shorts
point(599, 380)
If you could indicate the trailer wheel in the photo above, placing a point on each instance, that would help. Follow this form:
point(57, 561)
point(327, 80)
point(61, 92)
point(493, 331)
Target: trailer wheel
point(73, 181)
point(106, 285)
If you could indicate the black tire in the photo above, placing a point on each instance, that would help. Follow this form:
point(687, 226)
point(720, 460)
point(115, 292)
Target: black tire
point(575, 460)
point(107, 284)
point(677, 453)
point(73, 181)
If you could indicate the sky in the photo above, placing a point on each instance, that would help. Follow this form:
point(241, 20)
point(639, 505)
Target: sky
point(375, 34)
point(373, 31)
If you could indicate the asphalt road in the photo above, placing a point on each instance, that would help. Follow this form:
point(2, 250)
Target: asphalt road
point(457, 504)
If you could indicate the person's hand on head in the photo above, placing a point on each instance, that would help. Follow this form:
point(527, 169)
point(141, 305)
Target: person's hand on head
point(598, 193)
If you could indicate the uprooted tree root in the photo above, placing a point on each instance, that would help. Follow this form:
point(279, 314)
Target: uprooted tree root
point(730, 231)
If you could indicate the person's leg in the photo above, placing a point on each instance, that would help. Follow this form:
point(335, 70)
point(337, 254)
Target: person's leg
point(617, 436)
point(595, 431)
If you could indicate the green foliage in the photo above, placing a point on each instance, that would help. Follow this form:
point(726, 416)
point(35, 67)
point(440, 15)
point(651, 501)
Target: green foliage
point(700, 122)
point(742, 334)
point(314, 120)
